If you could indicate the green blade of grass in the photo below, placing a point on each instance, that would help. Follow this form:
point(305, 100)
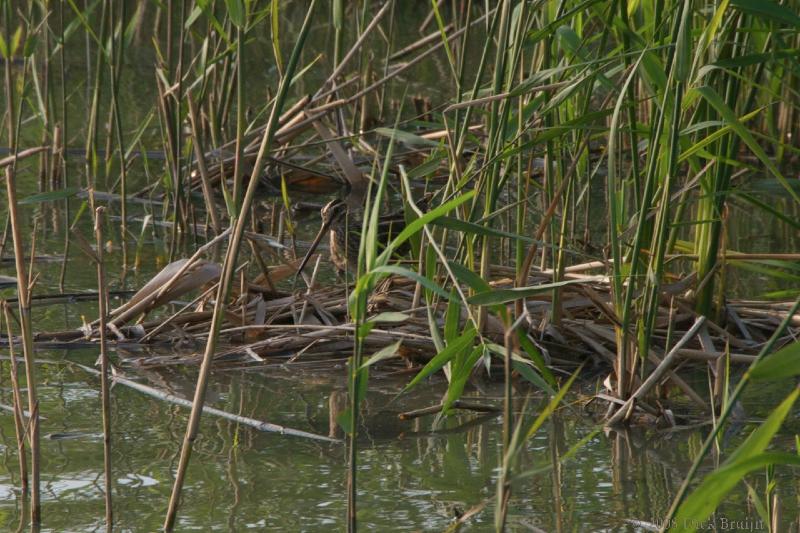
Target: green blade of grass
point(501, 296)
point(783, 364)
point(443, 357)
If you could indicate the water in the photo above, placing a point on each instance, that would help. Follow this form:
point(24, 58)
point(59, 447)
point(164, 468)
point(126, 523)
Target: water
point(413, 475)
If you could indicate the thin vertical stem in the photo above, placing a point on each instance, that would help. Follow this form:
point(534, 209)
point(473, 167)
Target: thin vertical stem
point(208, 192)
point(23, 298)
point(19, 424)
point(240, 125)
point(102, 298)
point(91, 134)
point(64, 131)
point(115, 66)
point(228, 268)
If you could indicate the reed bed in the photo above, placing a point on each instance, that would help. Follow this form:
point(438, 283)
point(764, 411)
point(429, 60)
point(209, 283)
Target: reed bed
point(566, 196)
point(264, 324)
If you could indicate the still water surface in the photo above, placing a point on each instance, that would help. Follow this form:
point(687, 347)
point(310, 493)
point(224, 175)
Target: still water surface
point(413, 475)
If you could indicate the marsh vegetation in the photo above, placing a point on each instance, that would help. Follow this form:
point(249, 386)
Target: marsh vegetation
point(562, 270)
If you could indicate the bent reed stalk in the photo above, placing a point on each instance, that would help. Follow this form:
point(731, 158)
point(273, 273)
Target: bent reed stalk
point(229, 265)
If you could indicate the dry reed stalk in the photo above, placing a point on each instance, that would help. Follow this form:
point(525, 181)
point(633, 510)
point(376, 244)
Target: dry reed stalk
point(504, 96)
point(229, 266)
point(525, 269)
point(355, 178)
point(447, 133)
point(102, 301)
point(22, 154)
point(285, 134)
point(430, 17)
point(421, 42)
point(260, 425)
point(310, 286)
point(32, 277)
point(353, 49)
point(57, 154)
point(458, 404)
point(288, 116)
point(608, 334)
point(28, 350)
point(208, 193)
point(163, 324)
point(730, 403)
point(4, 237)
point(294, 110)
point(22, 286)
point(776, 314)
point(165, 109)
point(17, 395)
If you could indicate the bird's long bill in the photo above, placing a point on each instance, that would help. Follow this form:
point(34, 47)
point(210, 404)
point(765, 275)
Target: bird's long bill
point(311, 249)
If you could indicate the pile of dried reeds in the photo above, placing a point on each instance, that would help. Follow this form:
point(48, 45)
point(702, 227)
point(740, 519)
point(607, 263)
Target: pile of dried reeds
point(265, 325)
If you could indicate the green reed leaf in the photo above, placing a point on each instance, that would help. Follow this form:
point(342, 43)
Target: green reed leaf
point(384, 353)
point(783, 364)
point(768, 10)
point(50, 196)
point(501, 296)
point(443, 357)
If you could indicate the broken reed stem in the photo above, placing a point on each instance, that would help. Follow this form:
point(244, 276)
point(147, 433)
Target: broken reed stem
point(22, 154)
point(458, 404)
point(102, 301)
point(177, 313)
point(22, 278)
point(259, 425)
point(229, 266)
point(208, 191)
point(19, 426)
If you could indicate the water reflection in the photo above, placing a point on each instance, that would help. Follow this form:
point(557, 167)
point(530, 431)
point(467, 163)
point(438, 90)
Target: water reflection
point(414, 475)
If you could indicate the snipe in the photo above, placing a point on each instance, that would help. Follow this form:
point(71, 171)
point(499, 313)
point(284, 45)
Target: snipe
point(343, 225)
point(343, 239)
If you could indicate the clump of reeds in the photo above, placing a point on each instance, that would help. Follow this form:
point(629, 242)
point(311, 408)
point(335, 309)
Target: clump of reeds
point(580, 172)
